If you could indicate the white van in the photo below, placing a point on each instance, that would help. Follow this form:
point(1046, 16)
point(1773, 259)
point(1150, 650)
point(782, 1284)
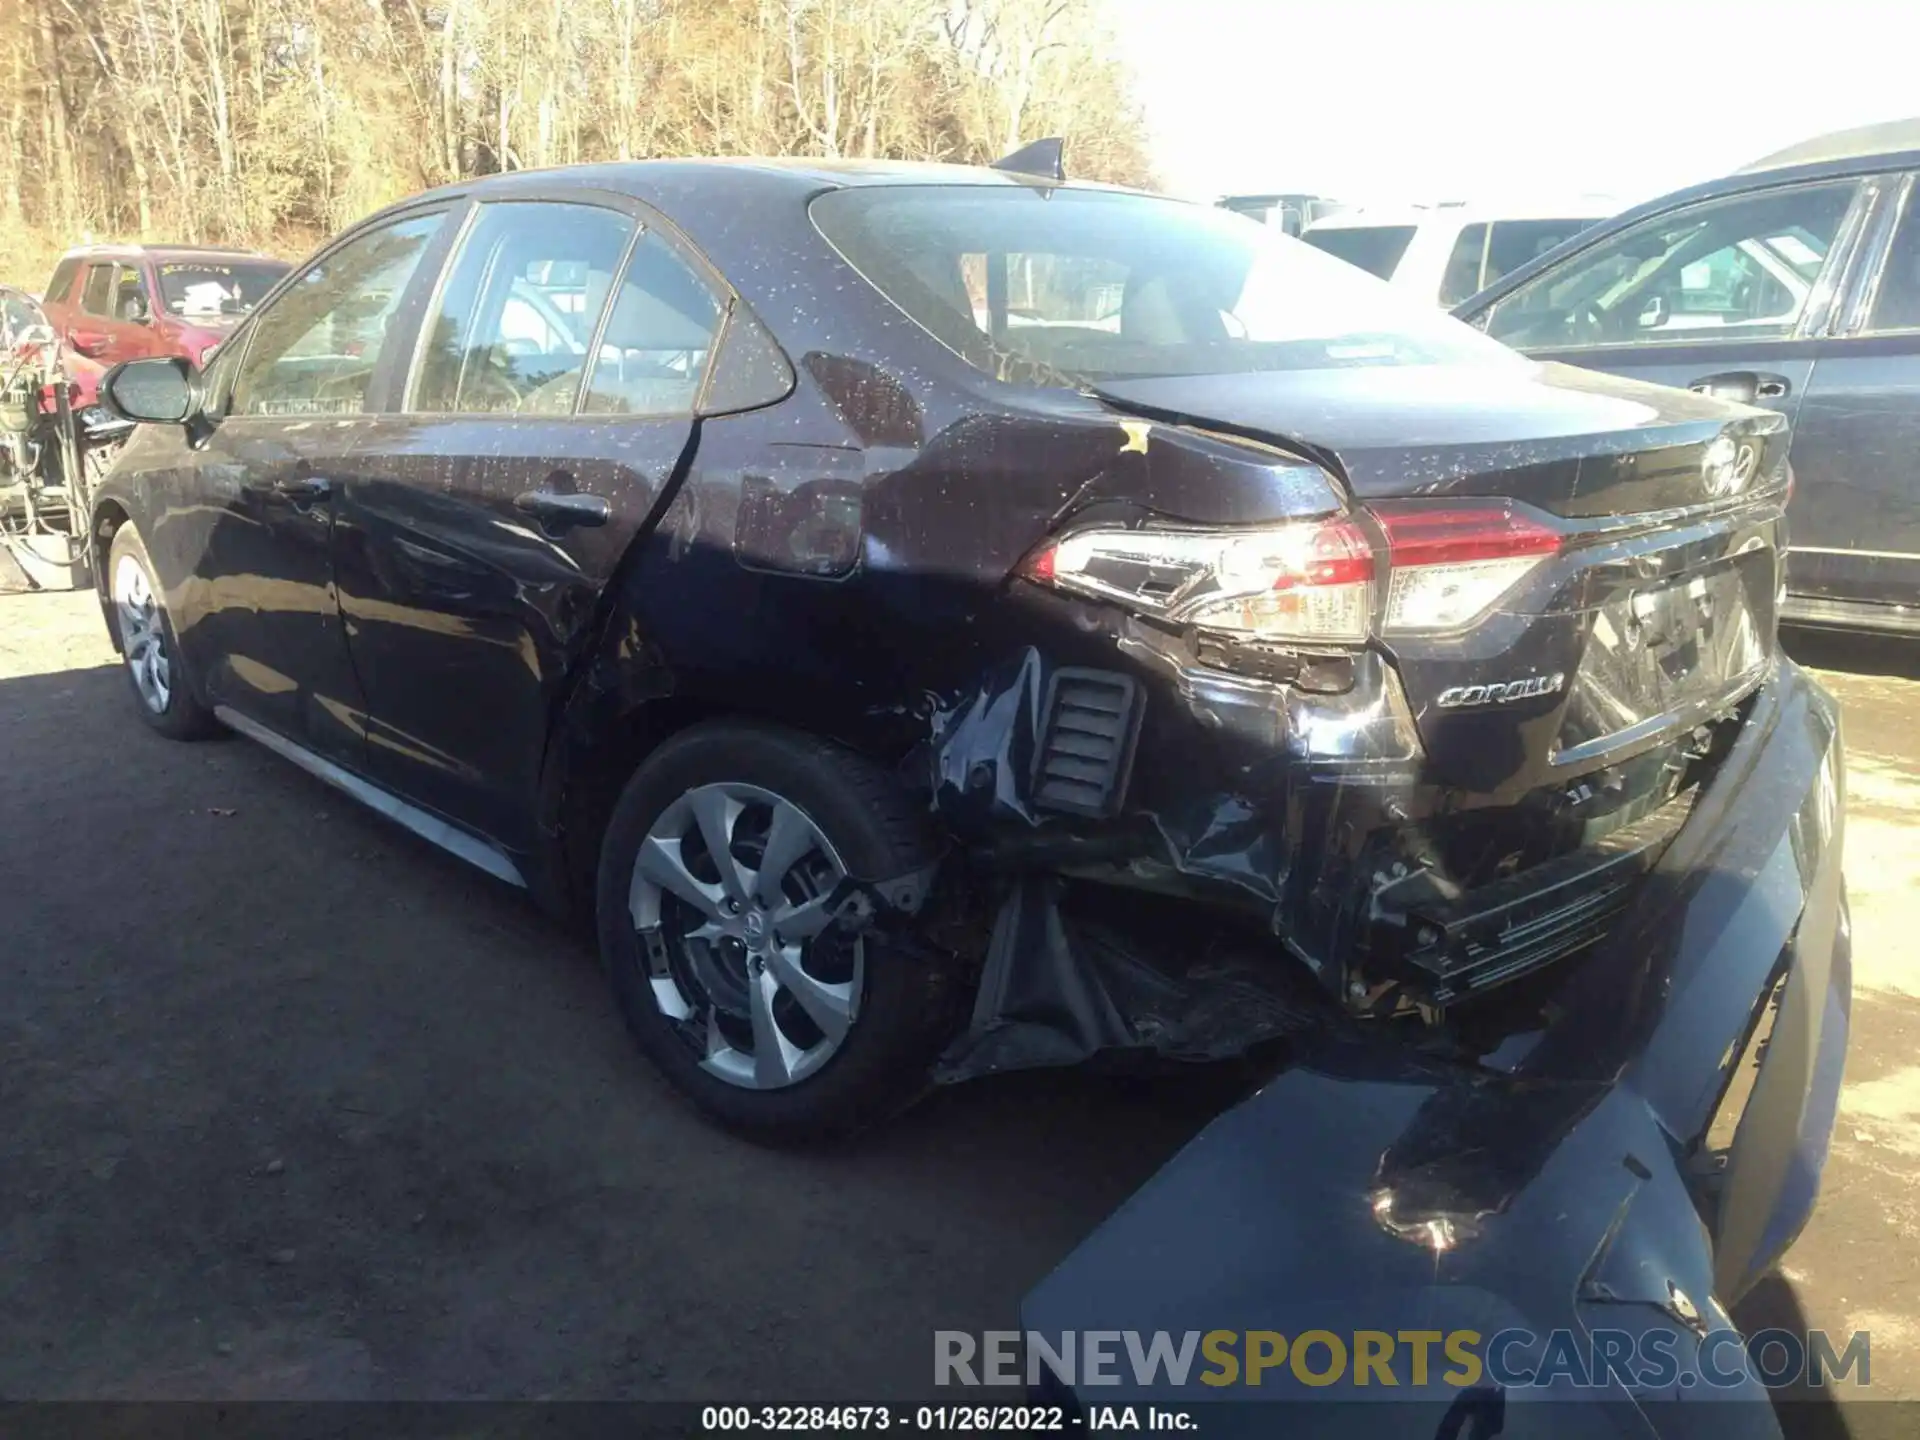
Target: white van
point(1448, 252)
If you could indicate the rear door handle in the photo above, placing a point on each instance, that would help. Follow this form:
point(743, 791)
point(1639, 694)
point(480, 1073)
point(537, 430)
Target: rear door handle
point(557, 511)
point(1748, 387)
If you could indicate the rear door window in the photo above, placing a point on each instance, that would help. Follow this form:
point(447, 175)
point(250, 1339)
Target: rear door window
point(514, 324)
point(1896, 300)
point(1376, 249)
point(654, 352)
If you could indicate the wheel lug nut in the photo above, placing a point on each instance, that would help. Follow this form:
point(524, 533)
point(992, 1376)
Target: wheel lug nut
point(733, 907)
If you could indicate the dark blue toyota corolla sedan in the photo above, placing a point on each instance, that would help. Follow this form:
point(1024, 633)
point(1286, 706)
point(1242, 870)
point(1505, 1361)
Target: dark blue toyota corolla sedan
point(938, 621)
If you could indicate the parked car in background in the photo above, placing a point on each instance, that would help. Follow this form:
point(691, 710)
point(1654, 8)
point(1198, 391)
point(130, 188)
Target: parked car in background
point(1290, 213)
point(1792, 284)
point(122, 302)
point(1445, 253)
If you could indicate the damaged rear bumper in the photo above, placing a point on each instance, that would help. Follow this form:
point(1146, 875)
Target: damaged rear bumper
point(1292, 796)
point(1630, 1165)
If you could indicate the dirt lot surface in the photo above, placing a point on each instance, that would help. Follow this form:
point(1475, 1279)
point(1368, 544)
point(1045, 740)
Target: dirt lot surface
point(297, 1107)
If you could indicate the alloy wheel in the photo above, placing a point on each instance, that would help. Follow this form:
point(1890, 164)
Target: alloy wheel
point(143, 634)
point(733, 896)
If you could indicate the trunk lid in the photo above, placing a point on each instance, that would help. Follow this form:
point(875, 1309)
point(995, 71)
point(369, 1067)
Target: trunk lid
point(1654, 611)
point(1573, 442)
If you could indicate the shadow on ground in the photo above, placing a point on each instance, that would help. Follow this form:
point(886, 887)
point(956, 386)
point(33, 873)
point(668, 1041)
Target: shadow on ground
point(299, 1107)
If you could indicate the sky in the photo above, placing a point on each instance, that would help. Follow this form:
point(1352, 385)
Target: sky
point(1382, 101)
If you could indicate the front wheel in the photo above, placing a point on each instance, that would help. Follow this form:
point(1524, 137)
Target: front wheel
point(724, 877)
point(161, 690)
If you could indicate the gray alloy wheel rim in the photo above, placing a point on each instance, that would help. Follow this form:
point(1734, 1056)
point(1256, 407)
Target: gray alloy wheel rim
point(143, 636)
point(768, 919)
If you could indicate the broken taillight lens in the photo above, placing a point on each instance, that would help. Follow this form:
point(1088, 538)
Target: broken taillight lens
point(1312, 580)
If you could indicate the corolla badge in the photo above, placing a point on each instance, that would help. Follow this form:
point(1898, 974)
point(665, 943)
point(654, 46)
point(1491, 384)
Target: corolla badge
point(1727, 466)
point(1504, 692)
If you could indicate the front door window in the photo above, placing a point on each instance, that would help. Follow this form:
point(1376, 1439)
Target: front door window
point(315, 349)
point(1743, 267)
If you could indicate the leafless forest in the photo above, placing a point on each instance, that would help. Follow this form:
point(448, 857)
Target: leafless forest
point(274, 122)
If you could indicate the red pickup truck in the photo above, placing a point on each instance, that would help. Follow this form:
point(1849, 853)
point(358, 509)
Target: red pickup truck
point(120, 302)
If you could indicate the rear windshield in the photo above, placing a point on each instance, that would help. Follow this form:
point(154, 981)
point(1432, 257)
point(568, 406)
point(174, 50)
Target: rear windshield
point(1376, 249)
point(1072, 287)
point(216, 287)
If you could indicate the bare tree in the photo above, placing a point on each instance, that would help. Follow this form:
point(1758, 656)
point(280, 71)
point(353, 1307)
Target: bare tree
point(274, 122)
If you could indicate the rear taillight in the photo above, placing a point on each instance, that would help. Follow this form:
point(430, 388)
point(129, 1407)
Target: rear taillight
point(1451, 564)
point(1312, 580)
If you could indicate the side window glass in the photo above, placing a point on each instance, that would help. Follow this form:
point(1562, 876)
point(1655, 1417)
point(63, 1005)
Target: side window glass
point(1515, 242)
point(514, 321)
point(98, 297)
point(17, 313)
point(314, 350)
point(60, 287)
point(1743, 267)
point(129, 294)
point(1896, 302)
point(217, 377)
point(1462, 275)
point(750, 369)
point(655, 348)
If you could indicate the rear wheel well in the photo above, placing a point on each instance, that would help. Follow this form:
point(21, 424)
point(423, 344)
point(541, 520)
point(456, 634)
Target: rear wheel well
point(601, 770)
point(596, 764)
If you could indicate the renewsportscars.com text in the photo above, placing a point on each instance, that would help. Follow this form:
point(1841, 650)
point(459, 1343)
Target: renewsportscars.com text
point(1513, 1358)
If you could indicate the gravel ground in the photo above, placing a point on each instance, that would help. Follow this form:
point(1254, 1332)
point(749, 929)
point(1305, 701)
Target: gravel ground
point(298, 1107)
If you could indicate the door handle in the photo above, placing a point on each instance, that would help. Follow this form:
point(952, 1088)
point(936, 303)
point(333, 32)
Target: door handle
point(556, 511)
point(1747, 387)
point(304, 489)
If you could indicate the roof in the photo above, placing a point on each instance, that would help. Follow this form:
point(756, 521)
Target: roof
point(798, 175)
point(1565, 207)
point(165, 252)
point(1267, 197)
point(1889, 137)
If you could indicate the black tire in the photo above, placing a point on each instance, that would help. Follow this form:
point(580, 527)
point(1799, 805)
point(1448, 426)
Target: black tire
point(905, 1000)
point(181, 715)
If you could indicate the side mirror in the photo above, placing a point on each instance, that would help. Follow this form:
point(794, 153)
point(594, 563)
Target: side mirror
point(136, 311)
point(1654, 313)
point(150, 392)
